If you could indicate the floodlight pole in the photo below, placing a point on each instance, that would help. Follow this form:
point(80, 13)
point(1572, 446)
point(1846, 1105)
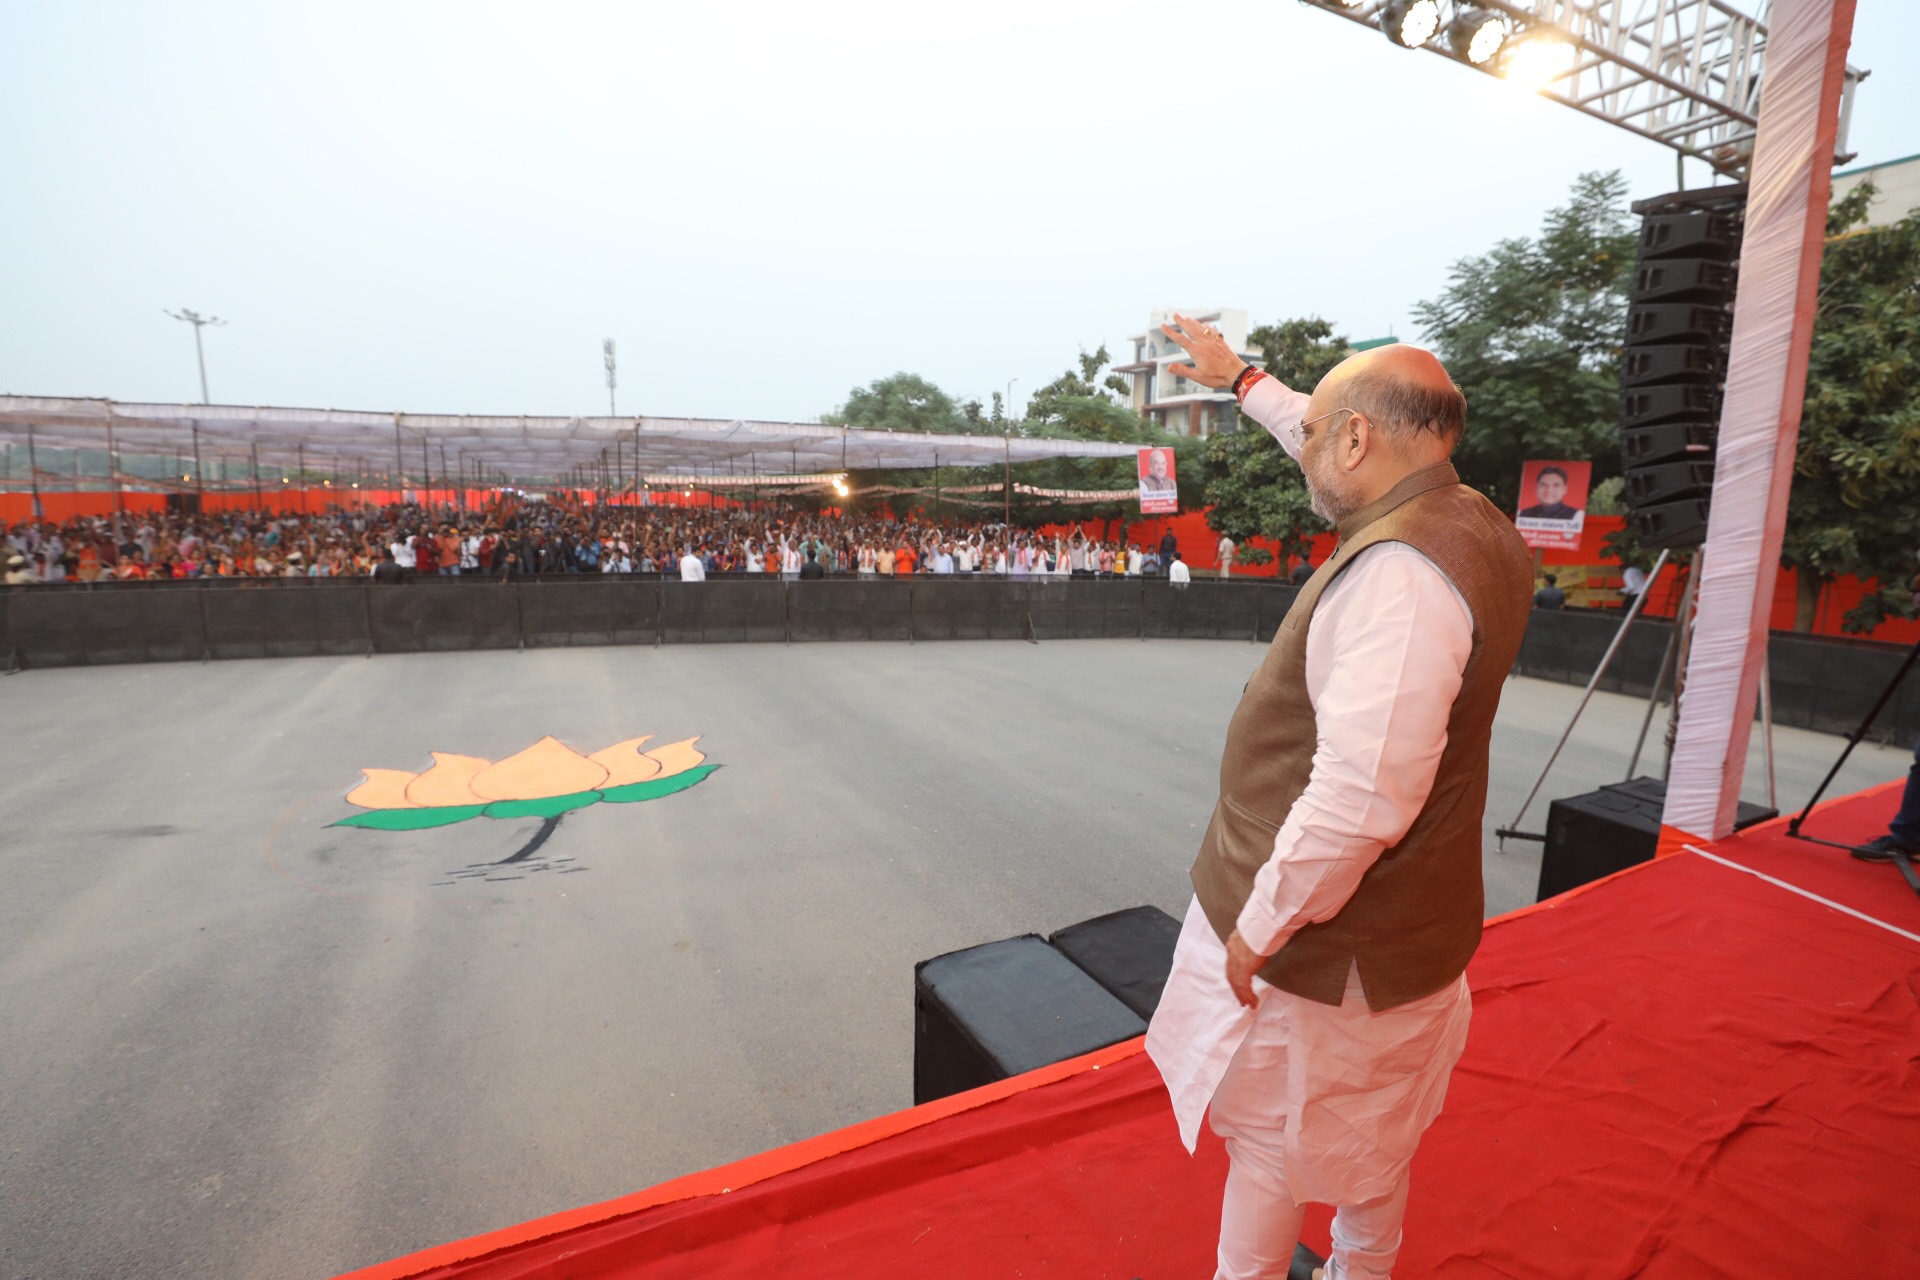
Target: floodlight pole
point(198, 322)
point(113, 467)
point(33, 476)
point(606, 349)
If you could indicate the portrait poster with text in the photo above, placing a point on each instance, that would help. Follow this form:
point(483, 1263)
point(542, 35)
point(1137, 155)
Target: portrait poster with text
point(1159, 495)
point(1553, 503)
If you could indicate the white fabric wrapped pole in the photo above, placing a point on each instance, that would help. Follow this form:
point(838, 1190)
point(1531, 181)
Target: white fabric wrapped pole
point(1789, 186)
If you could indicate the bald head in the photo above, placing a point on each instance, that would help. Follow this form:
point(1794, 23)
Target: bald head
point(1403, 390)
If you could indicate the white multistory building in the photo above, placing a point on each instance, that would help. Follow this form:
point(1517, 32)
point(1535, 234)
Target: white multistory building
point(1177, 405)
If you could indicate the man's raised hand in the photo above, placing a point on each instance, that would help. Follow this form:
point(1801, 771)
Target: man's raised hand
point(1214, 363)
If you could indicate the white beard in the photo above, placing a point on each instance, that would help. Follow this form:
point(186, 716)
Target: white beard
point(1325, 495)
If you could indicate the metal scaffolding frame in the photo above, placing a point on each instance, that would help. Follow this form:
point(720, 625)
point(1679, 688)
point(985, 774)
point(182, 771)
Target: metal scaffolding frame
point(1684, 73)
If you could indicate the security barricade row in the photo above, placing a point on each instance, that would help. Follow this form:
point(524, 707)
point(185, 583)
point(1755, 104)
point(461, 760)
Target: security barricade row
point(1818, 682)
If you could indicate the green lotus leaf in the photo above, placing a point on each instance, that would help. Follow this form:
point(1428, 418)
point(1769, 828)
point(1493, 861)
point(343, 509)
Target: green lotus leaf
point(412, 819)
point(545, 807)
point(653, 790)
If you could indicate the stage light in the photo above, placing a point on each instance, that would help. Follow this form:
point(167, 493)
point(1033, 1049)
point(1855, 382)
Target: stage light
point(185, 477)
point(1410, 22)
point(1536, 63)
point(1477, 35)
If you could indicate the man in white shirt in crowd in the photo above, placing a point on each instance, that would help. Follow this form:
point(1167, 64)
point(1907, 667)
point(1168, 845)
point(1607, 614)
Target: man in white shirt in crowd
point(1318, 998)
point(691, 567)
point(943, 558)
point(1178, 573)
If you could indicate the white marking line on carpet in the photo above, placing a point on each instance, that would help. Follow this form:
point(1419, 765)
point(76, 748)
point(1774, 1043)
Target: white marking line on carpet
point(1805, 893)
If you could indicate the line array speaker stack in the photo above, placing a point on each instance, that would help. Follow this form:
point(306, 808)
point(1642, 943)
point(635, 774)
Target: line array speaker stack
point(1674, 368)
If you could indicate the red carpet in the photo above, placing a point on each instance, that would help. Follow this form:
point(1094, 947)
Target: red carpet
point(1685, 1071)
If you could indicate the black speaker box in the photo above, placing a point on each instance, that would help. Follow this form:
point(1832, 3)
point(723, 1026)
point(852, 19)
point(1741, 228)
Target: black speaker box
point(1668, 482)
point(995, 1010)
point(1688, 235)
point(1667, 442)
point(1682, 280)
point(1609, 830)
point(1670, 525)
point(1129, 953)
point(1676, 322)
point(1673, 362)
point(1653, 791)
point(1677, 402)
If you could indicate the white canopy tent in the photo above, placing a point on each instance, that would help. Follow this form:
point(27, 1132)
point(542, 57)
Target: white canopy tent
point(512, 449)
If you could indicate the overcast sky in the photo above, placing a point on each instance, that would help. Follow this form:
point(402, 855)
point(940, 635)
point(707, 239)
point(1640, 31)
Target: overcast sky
point(445, 207)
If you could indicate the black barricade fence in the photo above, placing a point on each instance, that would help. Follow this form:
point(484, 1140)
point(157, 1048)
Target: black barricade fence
point(87, 628)
point(584, 610)
point(1273, 604)
point(409, 618)
point(849, 610)
point(978, 609)
point(274, 623)
point(734, 611)
point(1200, 611)
point(1819, 682)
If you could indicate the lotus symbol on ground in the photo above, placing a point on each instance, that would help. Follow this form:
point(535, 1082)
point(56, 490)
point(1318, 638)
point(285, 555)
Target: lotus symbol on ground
point(547, 780)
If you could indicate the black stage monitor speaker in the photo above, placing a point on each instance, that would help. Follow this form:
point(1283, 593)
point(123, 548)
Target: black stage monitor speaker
point(1609, 830)
point(993, 1011)
point(1128, 952)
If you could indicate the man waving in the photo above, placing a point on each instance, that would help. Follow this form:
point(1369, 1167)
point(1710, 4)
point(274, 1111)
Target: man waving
point(1318, 998)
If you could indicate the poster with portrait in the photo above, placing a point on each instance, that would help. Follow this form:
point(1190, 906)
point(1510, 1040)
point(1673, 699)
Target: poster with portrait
point(1553, 503)
point(1159, 494)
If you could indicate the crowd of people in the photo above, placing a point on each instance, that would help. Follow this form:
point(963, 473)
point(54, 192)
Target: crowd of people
point(396, 543)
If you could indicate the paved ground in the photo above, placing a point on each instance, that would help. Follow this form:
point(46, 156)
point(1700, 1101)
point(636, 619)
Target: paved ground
point(238, 1043)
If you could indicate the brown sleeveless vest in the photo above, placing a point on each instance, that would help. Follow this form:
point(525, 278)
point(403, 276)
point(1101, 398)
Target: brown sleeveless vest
point(1414, 921)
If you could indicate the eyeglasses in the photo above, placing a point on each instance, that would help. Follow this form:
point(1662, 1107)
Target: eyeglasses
point(1322, 418)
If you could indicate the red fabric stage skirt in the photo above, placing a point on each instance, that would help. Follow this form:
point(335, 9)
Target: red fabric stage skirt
point(1685, 1071)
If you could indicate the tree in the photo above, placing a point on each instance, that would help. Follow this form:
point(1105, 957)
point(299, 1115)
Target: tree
point(904, 402)
point(1254, 488)
point(1855, 505)
point(1047, 404)
point(1532, 332)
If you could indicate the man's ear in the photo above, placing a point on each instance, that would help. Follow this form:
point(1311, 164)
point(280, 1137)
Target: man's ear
point(1357, 439)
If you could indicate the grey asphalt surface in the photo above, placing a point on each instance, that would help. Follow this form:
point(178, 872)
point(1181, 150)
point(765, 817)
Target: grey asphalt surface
point(238, 1043)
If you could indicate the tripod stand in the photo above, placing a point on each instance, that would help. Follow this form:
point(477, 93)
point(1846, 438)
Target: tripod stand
point(1902, 863)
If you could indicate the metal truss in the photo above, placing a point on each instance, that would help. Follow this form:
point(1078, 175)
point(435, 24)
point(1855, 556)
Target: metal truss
point(1683, 73)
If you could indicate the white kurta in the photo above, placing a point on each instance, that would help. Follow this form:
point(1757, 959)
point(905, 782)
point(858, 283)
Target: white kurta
point(1385, 656)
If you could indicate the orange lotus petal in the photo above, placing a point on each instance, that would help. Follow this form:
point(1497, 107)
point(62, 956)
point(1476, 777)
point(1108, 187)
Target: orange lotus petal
point(383, 789)
point(675, 757)
point(547, 768)
point(624, 763)
point(448, 782)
